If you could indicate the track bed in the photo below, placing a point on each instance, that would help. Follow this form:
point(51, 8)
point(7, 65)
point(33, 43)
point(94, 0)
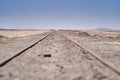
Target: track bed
point(56, 58)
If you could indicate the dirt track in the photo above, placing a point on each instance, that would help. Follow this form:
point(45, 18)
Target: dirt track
point(56, 58)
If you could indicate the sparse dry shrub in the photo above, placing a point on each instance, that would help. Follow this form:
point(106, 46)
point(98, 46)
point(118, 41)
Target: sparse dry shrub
point(84, 34)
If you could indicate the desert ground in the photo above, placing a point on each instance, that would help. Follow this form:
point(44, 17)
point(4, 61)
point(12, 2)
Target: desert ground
point(59, 55)
point(20, 33)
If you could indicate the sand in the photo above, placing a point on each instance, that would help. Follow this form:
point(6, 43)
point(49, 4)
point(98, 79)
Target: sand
point(58, 58)
point(20, 33)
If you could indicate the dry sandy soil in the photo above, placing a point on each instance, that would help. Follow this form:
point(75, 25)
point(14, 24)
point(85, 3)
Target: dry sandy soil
point(58, 58)
point(106, 44)
point(20, 33)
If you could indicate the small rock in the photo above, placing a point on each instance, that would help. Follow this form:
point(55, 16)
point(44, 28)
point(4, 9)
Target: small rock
point(47, 55)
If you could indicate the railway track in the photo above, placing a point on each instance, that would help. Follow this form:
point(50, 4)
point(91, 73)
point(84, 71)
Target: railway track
point(87, 51)
point(21, 52)
point(82, 48)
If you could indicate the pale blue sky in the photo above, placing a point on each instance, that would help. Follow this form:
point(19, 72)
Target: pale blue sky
point(67, 14)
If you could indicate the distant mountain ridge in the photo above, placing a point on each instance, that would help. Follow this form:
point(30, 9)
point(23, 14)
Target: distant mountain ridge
point(104, 29)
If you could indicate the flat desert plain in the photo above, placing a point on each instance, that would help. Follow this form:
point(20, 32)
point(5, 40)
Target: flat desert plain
point(20, 33)
point(59, 55)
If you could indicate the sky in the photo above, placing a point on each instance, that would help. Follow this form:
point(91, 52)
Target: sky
point(60, 14)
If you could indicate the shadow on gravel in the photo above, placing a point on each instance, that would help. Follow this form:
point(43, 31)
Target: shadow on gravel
point(1, 36)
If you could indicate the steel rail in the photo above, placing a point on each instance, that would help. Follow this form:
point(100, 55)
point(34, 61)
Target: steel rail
point(21, 52)
point(87, 51)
